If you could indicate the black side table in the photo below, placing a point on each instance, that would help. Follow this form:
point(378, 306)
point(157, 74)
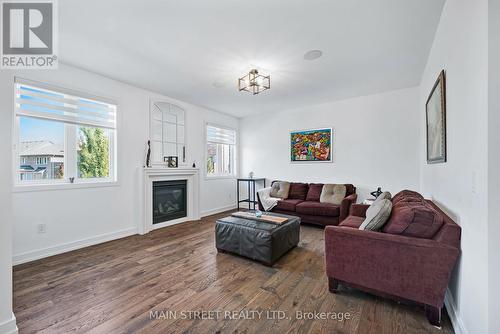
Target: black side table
point(251, 200)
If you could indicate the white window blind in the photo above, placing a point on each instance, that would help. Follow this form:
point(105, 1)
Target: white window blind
point(54, 104)
point(220, 136)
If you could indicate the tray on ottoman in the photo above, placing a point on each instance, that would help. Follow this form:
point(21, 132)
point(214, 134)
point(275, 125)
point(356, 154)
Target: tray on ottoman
point(261, 241)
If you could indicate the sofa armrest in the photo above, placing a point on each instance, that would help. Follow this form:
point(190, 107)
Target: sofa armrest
point(409, 268)
point(346, 205)
point(359, 210)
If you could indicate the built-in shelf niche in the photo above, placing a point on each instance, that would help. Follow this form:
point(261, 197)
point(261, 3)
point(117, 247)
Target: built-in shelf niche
point(167, 132)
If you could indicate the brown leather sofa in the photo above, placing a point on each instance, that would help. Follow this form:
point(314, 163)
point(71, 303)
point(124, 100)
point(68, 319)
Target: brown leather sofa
point(303, 201)
point(411, 259)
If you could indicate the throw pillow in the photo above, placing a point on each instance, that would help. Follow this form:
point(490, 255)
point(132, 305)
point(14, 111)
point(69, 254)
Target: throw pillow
point(384, 195)
point(280, 189)
point(333, 193)
point(314, 192)
point(298, 190)
point(414, 219)
point(377, 215)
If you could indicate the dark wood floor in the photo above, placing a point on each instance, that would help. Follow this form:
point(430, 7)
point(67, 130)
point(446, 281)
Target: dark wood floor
point(112, 287)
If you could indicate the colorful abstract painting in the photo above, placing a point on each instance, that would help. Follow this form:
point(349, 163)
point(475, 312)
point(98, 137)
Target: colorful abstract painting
point(311, 145)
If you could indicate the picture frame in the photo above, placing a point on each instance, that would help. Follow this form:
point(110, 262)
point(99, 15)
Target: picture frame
point(172, 161)
point(311, 145)
point(435, 116)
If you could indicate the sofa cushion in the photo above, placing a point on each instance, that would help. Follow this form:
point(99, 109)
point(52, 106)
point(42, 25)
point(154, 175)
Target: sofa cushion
point(298, 191)
point(314, 192)
point(377, 215)
point(333, 193)
point(287, 204)
point(318, 209)
point(414, 219)
point(280, 189)
point(352, 221)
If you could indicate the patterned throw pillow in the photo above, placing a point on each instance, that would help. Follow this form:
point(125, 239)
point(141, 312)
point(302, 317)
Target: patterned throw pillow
point(377, 215)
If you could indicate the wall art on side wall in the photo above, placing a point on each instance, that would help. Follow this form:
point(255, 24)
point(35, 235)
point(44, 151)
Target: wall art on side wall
point(435, 109)
point(313, 145)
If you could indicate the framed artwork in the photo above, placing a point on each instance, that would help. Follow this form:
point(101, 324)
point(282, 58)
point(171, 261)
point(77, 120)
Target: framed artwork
point(313, 145)
point(435, 110)
point(172, 161)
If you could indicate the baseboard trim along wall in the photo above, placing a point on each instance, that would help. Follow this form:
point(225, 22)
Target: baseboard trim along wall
point(70, 246)
point(453, 313)
point(218, 210)
point(74, 245)
point(9, 326)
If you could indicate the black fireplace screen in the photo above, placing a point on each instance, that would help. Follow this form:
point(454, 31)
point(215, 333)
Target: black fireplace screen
point(169, 200)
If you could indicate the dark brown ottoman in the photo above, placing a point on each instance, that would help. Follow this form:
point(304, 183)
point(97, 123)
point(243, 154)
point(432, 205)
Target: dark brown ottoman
point(260, 241)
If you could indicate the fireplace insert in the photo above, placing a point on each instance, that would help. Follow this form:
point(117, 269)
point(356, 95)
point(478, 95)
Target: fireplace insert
point(169, 200)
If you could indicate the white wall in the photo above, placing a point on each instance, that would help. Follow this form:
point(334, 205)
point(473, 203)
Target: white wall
point(79, 216)
point(460, 185)
point(494, 164)
point(7, 322)
point(375, 142)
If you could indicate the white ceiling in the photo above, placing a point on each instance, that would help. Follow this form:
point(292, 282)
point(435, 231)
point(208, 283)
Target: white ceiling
point(181, 47)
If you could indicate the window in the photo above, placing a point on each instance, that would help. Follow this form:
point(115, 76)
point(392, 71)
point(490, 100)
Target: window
point(62, 136)
point(167, 132)
point(221, 151)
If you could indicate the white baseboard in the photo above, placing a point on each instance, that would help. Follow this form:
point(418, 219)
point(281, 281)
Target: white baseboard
point(218, 210)
point(70, 246)
point(9, 326)
point(453, 313)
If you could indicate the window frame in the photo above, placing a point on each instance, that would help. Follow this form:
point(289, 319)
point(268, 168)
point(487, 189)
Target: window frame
point(235, 159)
point(70, 143)
point(161, 162)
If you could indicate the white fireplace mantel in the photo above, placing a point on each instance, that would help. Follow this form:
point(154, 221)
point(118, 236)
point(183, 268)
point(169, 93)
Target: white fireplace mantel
point(152, 174)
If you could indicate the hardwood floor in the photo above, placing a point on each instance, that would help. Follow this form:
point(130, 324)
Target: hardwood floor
point(114, 287)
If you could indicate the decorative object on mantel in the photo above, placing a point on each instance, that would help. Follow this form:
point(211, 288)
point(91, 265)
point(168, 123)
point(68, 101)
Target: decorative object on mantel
point(250, 175)
point(148, 156)
point(194, 164)
point(377, 192)
point(172, 161)
point(254, 83)
point(435, 112)
point(311, 145)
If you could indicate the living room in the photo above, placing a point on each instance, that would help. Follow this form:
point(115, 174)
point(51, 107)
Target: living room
point(279, 145)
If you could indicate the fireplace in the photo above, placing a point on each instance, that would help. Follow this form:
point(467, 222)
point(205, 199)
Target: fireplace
point(169, 200)
point(157, 175)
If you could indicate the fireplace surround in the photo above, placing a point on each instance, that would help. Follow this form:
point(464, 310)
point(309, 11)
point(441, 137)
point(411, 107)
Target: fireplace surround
point(150, 176)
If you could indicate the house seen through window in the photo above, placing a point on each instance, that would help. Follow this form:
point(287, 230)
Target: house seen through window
point(63, 137)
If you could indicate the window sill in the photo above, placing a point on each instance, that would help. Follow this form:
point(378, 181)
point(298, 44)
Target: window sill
point(19, 188)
